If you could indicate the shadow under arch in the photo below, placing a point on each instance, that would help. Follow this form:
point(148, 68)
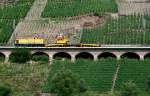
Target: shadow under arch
point(40, 56)
point(2, 57)
point(107, 55)
point(130, 55)
point(147, 56)
point(84, 55)
point(62, 55)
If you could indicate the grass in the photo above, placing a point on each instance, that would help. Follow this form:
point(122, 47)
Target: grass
point(65, 8)
point(10, 15)
point(124, 30)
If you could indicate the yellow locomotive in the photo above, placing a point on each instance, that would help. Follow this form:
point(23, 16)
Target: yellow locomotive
point(30, 42)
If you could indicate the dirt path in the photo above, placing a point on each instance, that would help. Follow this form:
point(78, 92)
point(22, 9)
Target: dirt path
point(36, 10)
point(115, 76)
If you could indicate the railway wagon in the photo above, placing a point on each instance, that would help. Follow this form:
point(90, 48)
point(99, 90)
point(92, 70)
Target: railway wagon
point(30, 42)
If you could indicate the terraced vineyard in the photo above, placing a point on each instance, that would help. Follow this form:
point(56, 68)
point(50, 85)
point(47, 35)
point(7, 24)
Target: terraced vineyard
point(10, 15)
point(134, 70)
point(122, 30)
point(64, 8)
point(99, 75)
point(132, 29)
point(24, 79)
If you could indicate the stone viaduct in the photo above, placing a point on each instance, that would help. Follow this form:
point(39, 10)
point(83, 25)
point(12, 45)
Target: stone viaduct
point(74, 53)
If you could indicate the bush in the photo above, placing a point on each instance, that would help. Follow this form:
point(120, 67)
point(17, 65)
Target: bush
point(20, 55)
point(4, 90)
point(66, 83)
point(40, 58)
point(129, 89)
point(2, 59)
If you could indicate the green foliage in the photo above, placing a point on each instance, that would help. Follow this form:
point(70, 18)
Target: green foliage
point(2, 59)
point(129, 89)
point(66, 83)
point(89, 93)
point(23, 93)
point(40, 58)
point(5, 90)
point(20, 55)
point(64, 8)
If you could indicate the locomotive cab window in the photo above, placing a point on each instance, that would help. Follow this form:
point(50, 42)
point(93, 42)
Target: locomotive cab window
point(17, 41)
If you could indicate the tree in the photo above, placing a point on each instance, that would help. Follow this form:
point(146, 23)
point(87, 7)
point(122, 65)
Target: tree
point(4, 90)
point(129, 89)
point(20, 55)
point(66, 83)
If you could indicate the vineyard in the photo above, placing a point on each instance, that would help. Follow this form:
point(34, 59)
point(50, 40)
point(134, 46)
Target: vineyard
point(99, 74)
point(122, 30)
point(108, 27)
point(127, 29)
point(134, 70)
point(65, 8)
point(24, 79)
point(10, 15)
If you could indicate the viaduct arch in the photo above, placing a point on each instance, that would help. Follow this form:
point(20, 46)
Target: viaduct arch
point(37, 55)
point(62, 55)
point(85, 53)
point(2, 57)
point(106, 55)
point(130, 55)
point(147, 56)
